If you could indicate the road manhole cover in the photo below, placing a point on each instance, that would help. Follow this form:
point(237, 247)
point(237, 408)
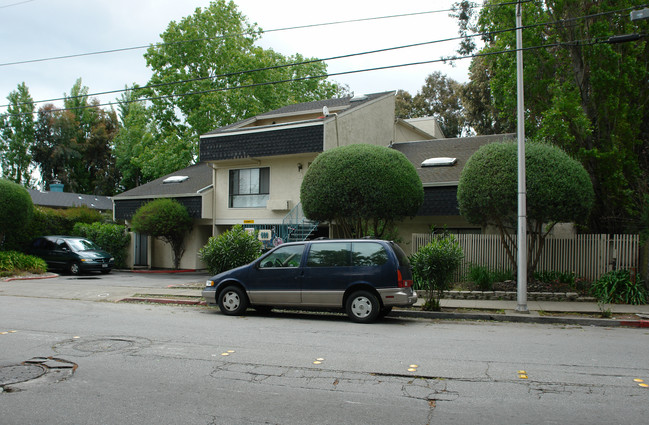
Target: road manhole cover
point(20, 373)
point(110, 345)
point(103, 345)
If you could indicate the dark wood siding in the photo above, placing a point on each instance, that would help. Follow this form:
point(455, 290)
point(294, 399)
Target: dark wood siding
point(124, 210)
point(264, 143)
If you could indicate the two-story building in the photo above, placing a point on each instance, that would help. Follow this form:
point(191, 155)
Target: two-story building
point(251, 172)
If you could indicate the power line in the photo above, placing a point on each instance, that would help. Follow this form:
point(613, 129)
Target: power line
point(380, 68)
point(333, 57)
point(125, 49)
point(329, 59)
point(15, 4)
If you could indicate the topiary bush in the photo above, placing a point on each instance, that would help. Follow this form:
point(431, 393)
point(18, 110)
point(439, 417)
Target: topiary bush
point(434, 265)
point(363, 188)
point(167, 220)
point(230, 249)
point(112, 238)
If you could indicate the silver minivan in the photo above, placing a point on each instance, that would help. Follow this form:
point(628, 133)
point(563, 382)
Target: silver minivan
point(363, 277)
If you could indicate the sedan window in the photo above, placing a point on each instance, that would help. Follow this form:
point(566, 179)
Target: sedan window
point(286, 256)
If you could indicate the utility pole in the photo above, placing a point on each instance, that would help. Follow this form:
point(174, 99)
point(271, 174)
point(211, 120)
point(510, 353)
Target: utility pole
point(521, 279)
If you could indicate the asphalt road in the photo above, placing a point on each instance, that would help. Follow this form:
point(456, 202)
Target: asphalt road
point(159, 364)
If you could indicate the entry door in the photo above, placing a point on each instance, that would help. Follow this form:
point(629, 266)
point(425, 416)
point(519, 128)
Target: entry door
point(141, 250)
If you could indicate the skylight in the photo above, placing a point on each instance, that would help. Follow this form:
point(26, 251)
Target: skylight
point(175, 179)
point(439, 162)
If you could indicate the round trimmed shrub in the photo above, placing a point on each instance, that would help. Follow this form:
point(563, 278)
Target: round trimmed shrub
point(230, 249)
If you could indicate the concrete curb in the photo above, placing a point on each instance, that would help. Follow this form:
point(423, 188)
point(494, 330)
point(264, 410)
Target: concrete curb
point(441, 315)
point(161, 301)
point(49, 276)
point(521, 318)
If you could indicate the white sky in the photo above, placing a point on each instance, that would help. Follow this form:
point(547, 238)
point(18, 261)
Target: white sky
point(35, 29)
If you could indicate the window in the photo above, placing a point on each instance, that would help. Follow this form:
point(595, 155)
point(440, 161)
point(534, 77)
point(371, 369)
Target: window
point(286, 256)
point(329, 254)
point(249, 188)
point(369, 254)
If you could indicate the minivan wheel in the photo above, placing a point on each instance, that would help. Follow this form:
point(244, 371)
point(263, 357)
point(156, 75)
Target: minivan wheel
point(363, 307)
point(233, 301)
point(74, 268)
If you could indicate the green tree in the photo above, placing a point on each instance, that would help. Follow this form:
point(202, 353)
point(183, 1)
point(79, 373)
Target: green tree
point(167, 220)
point(74, 145)
point(439, 97)
point(16, 211)
point(363, 188)
point(558, 190)
point(17, 136)
point(434, 265)
point(582, 94)
point(200, 82)
point(230, 249)
point(134, 137)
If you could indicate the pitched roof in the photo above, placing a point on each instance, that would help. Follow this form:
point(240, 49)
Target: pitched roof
point(199, 177)
point(70, 200)
point(460, 148)
point(335, 105)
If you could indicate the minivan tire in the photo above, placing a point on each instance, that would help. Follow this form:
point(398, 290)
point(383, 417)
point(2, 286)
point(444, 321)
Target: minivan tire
point(74, 268)
point(233, 301)
point(363, 307)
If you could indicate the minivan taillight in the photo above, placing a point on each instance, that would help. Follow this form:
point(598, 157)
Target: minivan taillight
point(401, 282)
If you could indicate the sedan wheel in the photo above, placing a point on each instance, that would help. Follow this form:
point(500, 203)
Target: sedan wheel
point(363, 307)
point(233, 301)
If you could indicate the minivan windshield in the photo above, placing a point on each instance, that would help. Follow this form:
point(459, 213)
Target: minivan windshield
point(81, 244)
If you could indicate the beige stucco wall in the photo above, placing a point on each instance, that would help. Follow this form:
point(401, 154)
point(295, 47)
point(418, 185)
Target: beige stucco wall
point(423, 225)
point(285, 181)
point(371, 123)
point(161, 256)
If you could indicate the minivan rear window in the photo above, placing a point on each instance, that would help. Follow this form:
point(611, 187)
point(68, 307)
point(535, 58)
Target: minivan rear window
point(403, 258)
point(369, 254)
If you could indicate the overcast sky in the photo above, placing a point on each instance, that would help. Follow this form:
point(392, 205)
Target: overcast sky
point(36, 29)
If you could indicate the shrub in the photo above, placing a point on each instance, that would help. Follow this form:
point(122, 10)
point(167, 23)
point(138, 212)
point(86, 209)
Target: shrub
point(12, 262)
point(617, 287)
point(230, 249)
point(484, 278)
point(112, 238)
point(167, 220)
point(363, 188)
point(434, 265)
point(16, 211)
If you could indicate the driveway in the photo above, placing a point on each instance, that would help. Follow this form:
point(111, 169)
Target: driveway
point(110, 287)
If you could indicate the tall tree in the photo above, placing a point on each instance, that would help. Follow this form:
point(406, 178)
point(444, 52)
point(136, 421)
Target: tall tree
point(583, 94)
point(134, 137)
point(74, 145)
point(17, 136)
point(439, 97)
point(202, 75)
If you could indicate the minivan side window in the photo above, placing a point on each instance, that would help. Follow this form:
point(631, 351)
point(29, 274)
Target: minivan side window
point(286, 256)
point(369, 254)
point(329, 254)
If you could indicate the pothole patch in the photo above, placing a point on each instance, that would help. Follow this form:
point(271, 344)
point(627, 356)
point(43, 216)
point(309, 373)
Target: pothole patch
point(37, 370)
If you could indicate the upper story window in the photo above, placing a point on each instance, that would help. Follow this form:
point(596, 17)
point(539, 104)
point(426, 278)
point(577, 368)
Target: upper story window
point(249, 187)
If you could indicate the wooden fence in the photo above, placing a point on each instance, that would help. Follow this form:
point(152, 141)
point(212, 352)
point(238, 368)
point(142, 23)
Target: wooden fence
point(587, 256)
